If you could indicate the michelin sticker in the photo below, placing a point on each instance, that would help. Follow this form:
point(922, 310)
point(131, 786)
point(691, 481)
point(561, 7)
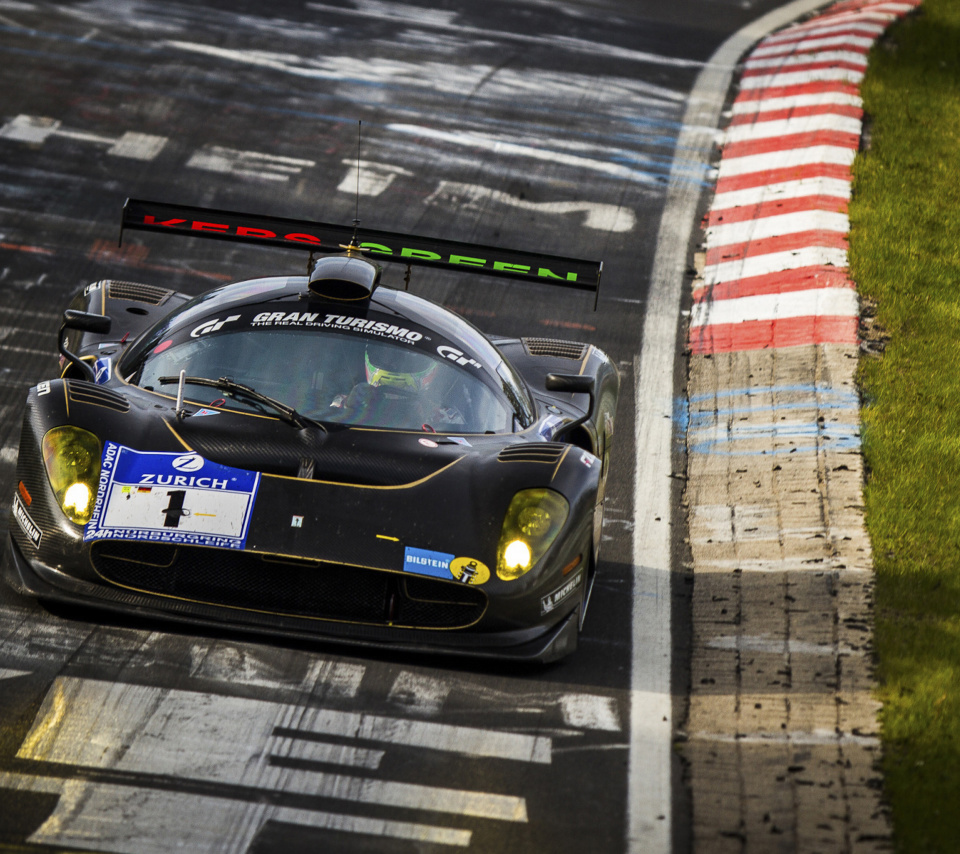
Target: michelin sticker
point(27, 525)
point(171, 498)
point(551, 600)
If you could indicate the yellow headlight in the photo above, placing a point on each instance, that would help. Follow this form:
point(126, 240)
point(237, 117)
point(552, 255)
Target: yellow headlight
point(517, 555)
point(72, 459)
point(533, 520)
point(76, 500)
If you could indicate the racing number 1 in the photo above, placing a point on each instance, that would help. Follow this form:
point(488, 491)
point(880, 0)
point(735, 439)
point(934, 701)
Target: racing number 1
point(174, 511)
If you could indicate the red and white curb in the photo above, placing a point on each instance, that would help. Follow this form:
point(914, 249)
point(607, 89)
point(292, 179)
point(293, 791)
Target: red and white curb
point(775, 273)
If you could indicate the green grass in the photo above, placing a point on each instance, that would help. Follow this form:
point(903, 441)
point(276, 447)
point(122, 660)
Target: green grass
point(905, 256)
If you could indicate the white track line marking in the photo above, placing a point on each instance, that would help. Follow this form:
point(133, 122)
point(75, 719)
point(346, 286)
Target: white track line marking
point(37, 129)
point(419, 694)
point(137, 146)
point(194, 736)
point(10, 673)
point(250, 164)
point(331, 754)
point(405, 14)
point(435, 736)
point(589, 711)
point(602, 217)
point(504, 148)
point(151, 821)
point(374, 178)
point(134, 712)
point(649, 810)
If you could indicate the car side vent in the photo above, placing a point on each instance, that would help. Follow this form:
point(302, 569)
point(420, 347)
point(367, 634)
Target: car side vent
point(94, 395)
point(555, 347)
point(539, 452)
point(135, 292)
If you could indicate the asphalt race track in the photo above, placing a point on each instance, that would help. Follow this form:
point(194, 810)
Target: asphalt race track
point(535, 125)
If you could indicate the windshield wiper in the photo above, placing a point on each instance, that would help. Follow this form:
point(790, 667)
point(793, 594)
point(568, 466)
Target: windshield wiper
point(287, 413)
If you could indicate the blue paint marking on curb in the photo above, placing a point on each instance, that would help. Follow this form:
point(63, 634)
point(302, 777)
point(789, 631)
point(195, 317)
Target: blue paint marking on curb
point(757, 391)
point(709, 433)
point(811, 438)
point(699, 419)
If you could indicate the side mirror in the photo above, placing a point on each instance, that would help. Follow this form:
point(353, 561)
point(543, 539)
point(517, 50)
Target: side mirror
point(86, 322)
point(575, 384)
point(82, 321)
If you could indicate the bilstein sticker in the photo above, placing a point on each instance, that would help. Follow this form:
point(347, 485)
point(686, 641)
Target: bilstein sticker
point(469, 571)
point(427, 562)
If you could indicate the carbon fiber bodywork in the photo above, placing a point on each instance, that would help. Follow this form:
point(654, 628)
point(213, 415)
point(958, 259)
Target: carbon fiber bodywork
point(339, 513)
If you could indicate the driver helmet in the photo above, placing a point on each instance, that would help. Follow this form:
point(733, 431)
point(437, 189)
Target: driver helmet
point(396, 367)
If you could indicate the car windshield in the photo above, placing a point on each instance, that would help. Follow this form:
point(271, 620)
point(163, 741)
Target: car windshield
point(335, 377)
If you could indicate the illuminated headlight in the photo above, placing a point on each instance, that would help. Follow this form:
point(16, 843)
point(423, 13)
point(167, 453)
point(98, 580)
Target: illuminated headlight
point(533, 520)
point(72, 460)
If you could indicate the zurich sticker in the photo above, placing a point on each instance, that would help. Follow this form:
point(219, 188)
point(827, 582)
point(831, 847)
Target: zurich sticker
point(171, 498)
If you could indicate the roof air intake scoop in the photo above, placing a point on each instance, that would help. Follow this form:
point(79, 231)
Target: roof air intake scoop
point(344, 278)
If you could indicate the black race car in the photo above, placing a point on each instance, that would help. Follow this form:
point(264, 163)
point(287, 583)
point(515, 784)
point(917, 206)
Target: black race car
point(316, 456)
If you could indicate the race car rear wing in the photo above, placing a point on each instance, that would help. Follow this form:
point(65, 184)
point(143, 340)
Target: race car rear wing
point(142, 215)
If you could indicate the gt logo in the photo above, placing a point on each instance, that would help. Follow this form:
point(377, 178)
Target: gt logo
point(214, 325)
point(454, 355)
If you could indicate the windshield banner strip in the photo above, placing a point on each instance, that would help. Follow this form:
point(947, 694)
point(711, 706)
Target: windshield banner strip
point(576, 273)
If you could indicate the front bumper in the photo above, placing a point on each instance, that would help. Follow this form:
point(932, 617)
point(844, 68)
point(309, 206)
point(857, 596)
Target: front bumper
point(537, 644)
